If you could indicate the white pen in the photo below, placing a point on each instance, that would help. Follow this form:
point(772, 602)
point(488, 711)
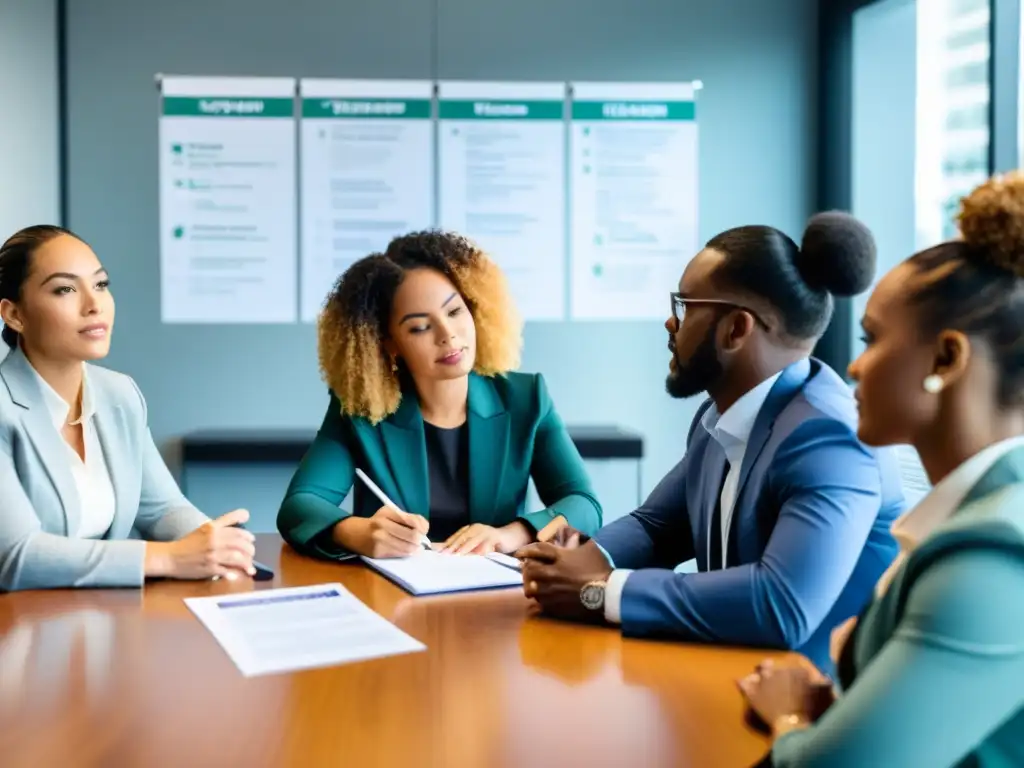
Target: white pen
point(386, 501)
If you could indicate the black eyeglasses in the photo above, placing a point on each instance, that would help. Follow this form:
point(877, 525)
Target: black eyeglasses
point(679, 303)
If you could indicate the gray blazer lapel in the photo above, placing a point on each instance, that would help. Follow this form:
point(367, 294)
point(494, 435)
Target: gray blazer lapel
point(112, 431)
point(21, 382)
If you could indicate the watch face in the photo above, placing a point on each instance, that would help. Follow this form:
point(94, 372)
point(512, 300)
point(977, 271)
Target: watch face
point(592, 596)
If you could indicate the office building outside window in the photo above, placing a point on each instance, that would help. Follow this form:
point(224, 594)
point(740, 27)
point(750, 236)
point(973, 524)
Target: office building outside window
point(952, 111)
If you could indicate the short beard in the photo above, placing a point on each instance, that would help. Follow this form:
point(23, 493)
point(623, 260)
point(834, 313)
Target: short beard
point(699, 373)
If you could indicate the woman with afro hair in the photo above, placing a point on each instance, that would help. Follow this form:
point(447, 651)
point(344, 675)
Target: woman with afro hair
point(418, 346)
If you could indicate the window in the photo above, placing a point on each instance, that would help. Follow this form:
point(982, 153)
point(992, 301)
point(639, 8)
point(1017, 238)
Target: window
point(959, 8)
point(952, 111)
point(965, 163)
point(965, 118)
point(919, 122)
point(883, 122)
point(967, 74)
point(966, 39)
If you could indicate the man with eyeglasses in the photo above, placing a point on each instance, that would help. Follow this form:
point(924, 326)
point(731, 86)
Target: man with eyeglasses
point(786, 512)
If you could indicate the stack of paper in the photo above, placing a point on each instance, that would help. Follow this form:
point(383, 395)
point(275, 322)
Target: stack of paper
point(276, 630)
point(432, 573)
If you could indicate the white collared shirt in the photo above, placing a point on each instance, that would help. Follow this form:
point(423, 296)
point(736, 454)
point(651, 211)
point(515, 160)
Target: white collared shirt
point(913, 527)
point(937, 507)
point(91, 477)
point(731, 430)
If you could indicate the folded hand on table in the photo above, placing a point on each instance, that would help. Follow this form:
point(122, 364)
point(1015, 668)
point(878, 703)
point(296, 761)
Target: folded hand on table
point(554, 577)
point(787, 696)
point(566, 537)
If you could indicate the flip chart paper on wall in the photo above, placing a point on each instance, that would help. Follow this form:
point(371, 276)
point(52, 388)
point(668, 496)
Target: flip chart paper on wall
point(501, 149)
point(634, 197)
point(367, 173)
point(227, 200)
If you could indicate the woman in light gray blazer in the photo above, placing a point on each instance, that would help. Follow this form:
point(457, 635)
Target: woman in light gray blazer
point(78, 466)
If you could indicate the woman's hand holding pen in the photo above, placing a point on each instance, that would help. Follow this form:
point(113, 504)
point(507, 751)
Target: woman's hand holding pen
point(389, 533)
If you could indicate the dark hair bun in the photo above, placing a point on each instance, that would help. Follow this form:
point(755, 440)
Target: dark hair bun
point(992, 222)
point(837, 254)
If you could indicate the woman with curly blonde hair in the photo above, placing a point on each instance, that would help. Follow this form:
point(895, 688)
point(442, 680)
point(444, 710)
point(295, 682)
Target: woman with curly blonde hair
point(418, 346)
point(931, 670)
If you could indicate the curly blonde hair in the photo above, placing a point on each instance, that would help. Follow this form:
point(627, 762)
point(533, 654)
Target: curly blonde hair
point(353, 324)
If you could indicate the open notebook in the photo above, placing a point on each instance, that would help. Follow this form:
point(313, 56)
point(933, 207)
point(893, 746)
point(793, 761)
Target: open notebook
point(431, 573)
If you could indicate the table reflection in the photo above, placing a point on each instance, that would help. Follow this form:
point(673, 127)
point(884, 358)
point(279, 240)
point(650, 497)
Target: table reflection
point(56, 656)
point(556, 649)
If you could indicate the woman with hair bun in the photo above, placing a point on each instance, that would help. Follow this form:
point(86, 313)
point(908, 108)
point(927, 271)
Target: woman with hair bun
point(418, 347)
point(932, 669)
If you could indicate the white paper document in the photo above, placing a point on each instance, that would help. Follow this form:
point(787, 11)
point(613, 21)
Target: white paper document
point(433, 573)
point(278, 630)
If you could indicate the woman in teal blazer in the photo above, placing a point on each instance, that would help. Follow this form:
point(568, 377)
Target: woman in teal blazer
point(417, 345)
point(933, 670)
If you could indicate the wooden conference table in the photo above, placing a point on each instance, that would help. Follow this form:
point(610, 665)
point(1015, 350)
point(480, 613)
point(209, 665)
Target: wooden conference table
point(130, 678)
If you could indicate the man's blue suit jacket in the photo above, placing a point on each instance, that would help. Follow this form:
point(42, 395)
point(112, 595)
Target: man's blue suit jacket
point(809, 535)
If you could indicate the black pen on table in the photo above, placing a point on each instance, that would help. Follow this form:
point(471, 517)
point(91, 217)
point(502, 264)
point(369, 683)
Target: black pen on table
point(263, 572)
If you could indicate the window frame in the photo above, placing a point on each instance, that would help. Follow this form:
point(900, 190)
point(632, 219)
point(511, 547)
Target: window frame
point(834, 136)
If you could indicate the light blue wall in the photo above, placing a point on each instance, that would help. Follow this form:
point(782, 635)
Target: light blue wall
point(757, 60)
point(29, 129)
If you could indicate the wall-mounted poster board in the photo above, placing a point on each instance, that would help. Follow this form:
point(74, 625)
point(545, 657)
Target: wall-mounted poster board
point(227, 200)
point(585, 194)
point(634, 197)
point(367, 163)
point(502, 182)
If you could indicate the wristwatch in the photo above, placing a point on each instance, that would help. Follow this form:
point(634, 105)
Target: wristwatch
point(592, 595)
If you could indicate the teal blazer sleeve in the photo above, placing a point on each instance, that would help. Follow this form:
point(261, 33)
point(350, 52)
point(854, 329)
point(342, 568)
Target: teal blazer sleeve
point(312, 503)
point(945, 682)
point(559, 473)
point(515, 434)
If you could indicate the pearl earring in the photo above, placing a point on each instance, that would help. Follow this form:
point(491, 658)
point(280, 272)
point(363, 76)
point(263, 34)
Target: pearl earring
point(394, 365)
point(933, 384)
